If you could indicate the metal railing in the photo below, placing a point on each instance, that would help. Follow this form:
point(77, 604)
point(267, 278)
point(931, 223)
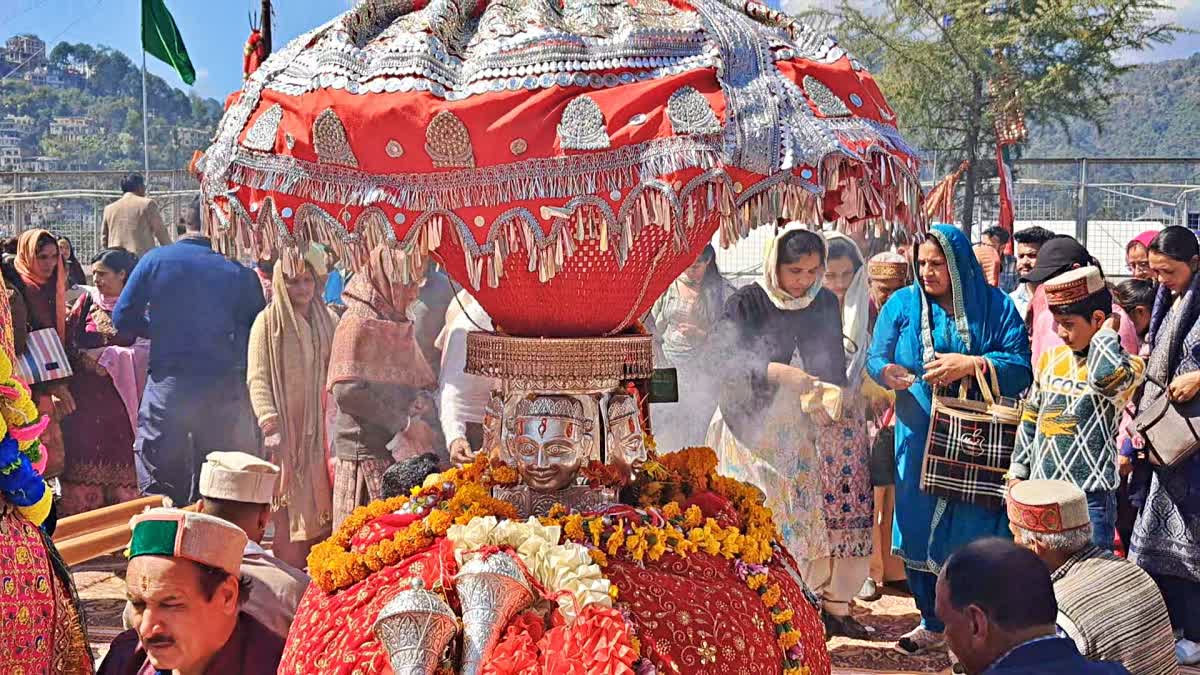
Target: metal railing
point(71, 203)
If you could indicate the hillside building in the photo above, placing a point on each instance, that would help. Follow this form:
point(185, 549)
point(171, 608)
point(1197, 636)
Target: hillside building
point(17, 124)
point(10, 152)
point(29, 50)
point(71, 128)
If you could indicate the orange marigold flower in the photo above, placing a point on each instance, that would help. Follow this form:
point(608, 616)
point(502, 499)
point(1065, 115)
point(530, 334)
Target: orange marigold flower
point(596, 529)
point(573, 527)
point(783, 617)
point(771, 597)
point(615, 541)
point(438, 521)
point(504, 474)
point(671, 511)
point(789, 639)
point(636, 544)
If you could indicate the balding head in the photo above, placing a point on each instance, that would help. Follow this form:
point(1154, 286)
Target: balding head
point(994, 595)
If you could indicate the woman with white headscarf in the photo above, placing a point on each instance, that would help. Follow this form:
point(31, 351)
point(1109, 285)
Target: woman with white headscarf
point(845, 447)
point(783, 365)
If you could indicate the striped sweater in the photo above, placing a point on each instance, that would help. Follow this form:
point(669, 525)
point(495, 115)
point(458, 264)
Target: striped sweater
point(1069, 428)
point(1114, 611)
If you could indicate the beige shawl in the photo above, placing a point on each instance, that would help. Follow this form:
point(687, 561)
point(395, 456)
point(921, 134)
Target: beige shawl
point(289, 357)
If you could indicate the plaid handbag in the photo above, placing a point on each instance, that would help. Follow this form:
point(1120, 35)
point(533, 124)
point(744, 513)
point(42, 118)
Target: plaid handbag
point(44, 359)
point(970, 444)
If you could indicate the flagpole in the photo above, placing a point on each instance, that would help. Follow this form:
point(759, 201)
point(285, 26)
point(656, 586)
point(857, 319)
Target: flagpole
point(145, 122)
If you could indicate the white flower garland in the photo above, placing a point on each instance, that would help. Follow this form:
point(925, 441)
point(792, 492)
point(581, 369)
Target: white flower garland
point(557, 567)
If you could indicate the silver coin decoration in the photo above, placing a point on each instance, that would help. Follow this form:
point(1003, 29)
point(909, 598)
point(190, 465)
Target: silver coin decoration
point(415, 627)
point(329, 139)
point(582, 126)
point(491, 591)
point(827, 102)
point(690, 113)
point(264, 130)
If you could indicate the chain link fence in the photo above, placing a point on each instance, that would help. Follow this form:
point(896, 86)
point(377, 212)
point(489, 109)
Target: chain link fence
point(1102, 202)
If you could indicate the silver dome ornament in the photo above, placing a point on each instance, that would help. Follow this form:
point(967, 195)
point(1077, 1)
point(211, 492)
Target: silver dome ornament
point(415, 627)
point(492, 591)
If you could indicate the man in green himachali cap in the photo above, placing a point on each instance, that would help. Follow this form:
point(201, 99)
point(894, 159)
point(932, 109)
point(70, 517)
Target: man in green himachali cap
point(185, 586)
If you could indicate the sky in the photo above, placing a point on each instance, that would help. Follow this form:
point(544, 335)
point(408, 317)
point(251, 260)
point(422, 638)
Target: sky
point(215, 30)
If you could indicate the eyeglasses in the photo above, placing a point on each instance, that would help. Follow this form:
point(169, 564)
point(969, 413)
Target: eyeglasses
point(1138, 266)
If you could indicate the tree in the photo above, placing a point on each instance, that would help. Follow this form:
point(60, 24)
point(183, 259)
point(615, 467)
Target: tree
point(935, 59)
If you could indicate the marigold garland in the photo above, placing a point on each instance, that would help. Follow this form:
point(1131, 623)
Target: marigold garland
point(22, 460)
point(456, 496)
point(662, 525)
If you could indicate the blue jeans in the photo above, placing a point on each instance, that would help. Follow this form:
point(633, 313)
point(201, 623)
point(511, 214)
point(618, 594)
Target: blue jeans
point(1102, 512)
point(181, 420)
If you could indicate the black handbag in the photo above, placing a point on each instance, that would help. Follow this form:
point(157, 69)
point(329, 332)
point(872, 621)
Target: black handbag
point(883, 455)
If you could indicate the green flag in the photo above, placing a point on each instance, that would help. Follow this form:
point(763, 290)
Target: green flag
point(161, 39)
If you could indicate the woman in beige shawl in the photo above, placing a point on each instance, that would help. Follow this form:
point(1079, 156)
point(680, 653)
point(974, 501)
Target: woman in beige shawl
point(288, 361)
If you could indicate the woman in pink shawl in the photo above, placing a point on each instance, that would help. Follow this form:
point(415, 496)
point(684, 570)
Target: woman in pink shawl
point(1137, 255)
point(110, 370)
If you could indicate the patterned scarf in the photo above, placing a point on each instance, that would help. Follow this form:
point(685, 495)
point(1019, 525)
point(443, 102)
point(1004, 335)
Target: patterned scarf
point(375, 341)
point(1173, 326)
point(26, 264)
point(297, 353)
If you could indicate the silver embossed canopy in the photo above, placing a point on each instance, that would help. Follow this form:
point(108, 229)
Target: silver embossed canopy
point(564, 159)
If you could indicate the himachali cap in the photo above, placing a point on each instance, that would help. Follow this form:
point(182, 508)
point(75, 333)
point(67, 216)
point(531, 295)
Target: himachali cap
point(1047, 506)
point(238, 477)
point(192, 536)
point(888, 266)
point(1074, 286)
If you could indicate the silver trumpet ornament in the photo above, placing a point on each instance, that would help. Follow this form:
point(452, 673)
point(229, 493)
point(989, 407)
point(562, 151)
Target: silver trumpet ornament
point(492, 591)
point(415, 627)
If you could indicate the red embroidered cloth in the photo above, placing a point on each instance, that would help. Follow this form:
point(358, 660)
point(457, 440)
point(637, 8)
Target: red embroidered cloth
point(565, 161)
point(332, 635)
point(695, 611)
point(706, 620)
point(40, 629)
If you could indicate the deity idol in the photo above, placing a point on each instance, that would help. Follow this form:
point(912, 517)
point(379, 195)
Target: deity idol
point(550, 439)
point(626, 441)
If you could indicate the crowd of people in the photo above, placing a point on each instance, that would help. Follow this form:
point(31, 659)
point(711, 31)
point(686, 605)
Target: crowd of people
point(282, 394)
point(1086, 359)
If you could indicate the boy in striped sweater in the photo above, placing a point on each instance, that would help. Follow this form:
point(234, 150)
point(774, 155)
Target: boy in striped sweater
point(1073, 410)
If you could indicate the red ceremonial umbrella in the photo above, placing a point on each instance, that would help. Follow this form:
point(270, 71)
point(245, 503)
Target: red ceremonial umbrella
point(564, 159)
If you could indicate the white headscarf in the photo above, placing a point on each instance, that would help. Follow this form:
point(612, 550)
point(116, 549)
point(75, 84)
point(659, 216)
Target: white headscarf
point(769, 281)
point(855, 313)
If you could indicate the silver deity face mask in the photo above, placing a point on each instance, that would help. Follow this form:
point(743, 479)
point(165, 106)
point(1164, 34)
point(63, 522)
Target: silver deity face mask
point(549, 451)
point(627, 443)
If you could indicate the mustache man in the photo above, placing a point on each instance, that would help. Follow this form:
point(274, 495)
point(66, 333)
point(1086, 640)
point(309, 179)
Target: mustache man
point(185, 591)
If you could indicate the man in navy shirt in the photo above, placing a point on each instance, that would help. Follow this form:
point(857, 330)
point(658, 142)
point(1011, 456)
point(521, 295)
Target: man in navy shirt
point(998, 604)
point(196, 307)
